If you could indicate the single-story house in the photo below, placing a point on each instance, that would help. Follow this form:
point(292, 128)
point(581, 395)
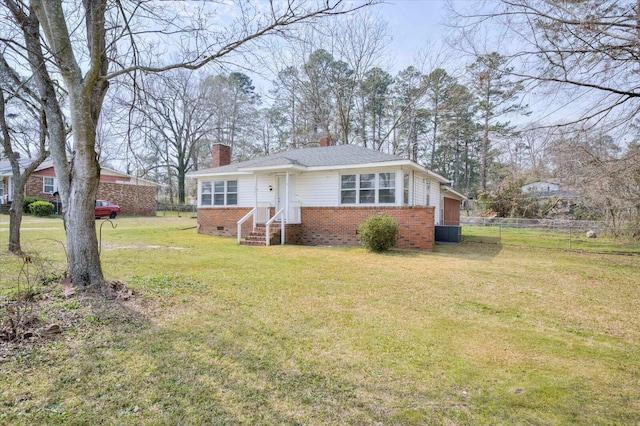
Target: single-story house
point(320, 195)
point(540, 186)
point(546, 191)
point(135, 196)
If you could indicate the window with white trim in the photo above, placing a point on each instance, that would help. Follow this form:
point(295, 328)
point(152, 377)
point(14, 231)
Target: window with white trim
point(405, 190)
point(368, 188)
point(49, 185)
point(428, 193)
point(219, 193)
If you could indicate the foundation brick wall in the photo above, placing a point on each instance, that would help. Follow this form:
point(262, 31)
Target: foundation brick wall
point(293, 234)
point(329, 225)
point(338, 225)
point(223, 222)
point(137, 200)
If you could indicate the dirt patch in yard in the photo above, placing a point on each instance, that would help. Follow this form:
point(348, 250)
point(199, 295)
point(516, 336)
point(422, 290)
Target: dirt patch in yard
point(59, 311)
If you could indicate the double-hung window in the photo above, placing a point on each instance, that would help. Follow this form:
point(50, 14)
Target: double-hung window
point(49, 185)
point(405, 190)
point(368, 188)
point(219, 193)
point(205, 194)
point(387, 188)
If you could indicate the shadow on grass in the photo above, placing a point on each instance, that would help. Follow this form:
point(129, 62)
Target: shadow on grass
point(485, 248)
point(116, 365)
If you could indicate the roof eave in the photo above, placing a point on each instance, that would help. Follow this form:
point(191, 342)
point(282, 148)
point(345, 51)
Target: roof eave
point(211, 173)
point(449, 189)
point(423, 169)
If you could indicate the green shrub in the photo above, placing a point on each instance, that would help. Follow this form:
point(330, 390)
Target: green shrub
point(378, 233)
point(41, 208)
point(27, 201)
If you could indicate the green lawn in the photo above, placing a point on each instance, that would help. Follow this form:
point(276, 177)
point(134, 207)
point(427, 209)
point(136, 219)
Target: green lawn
point(564, 239)
point(226, 334)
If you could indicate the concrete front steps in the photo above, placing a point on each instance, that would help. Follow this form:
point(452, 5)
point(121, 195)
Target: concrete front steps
point(257, 236)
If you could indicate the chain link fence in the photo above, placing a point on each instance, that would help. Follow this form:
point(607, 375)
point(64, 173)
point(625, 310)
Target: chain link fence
point(172, 210)
point(591, 236)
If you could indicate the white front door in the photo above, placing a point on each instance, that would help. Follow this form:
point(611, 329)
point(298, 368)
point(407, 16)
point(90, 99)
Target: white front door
point(281, 198)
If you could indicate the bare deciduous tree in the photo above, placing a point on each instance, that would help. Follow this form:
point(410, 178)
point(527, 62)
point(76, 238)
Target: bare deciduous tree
point(92, 42)
point(587, 47)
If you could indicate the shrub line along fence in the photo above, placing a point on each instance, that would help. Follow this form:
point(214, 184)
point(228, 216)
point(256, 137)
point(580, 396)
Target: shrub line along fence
point(577, 235)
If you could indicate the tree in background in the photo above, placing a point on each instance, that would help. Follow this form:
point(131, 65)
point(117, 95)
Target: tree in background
point(587, 48)
point(412, 115)
point(375, 103)
point(458, 139)
point(231, 104)
point(20, 99)
point(174, 121)
point(607, 178)
point(90, 43)
point(37, 95)
point(497, 94)
point(437, 84)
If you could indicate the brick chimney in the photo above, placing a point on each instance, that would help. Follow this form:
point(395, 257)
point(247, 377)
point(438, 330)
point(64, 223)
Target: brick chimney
point(221, 155)
point(325, 141)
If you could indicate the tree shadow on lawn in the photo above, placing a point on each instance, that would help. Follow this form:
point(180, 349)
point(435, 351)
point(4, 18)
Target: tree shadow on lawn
point(116, 365)
point(483, 250)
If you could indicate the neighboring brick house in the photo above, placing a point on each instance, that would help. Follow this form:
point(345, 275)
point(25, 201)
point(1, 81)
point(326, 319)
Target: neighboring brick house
point(322, 195)
point(135, 196)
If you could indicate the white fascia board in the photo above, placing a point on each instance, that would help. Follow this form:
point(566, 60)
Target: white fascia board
point(112, 172)
point(211, 174)
point(446, 188)
point(432, 174)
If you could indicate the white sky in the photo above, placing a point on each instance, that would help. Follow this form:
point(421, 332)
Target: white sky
point(413, 24)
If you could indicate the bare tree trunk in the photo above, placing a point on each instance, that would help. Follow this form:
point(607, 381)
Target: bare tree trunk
point(484, 153)
point(79, 214)
point(19, 177)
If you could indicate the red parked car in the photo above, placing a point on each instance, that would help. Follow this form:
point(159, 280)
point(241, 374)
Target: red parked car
point(106, 208)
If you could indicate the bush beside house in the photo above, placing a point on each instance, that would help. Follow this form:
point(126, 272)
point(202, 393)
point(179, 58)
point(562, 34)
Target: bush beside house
point(379, 232)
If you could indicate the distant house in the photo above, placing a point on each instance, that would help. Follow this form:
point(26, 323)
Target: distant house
point(135, 196)
point(322, 194)
point(541, 186)
point(550, 191)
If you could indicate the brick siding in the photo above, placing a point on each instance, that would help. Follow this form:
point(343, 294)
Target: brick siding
point(223, 221)
point(138, 200)
point(338, 225)
point(330, 225)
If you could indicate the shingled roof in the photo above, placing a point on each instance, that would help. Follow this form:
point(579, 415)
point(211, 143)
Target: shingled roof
point(326, 156)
